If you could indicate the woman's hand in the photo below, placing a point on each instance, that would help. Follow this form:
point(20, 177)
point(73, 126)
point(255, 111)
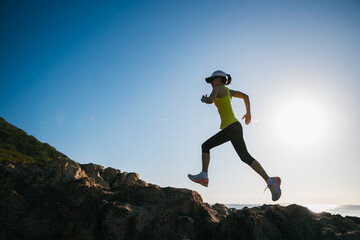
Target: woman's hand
point(204, 97)
point(247, 117)
point(213, 95)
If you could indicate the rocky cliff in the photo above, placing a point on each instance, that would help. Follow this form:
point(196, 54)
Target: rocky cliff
point(62, 199)
point(53, 197)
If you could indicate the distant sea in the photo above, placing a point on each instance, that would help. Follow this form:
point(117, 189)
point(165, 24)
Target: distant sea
point(343, 210)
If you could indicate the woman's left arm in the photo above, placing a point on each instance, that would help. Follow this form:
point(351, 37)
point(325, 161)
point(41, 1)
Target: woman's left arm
point(246, 98)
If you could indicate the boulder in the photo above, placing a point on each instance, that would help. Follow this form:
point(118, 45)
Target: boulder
point(123, 177)
point(220, 209)
point(99, 180)
point(132, 178)
point(64, 170)
point(95, 171)
point(91, 167)
point(111, 174)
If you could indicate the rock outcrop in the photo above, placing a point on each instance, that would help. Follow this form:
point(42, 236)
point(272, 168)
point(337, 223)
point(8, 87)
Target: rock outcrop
point(62, 199)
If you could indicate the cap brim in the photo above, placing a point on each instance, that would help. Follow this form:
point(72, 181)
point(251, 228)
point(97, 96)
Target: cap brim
point(208, 79)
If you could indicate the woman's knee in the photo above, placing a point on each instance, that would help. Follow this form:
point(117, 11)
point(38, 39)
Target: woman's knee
point(244, 154)
point(248, 160)
point(205, 148)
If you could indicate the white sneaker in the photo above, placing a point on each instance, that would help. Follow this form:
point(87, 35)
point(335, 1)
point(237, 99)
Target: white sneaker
point(275, 188)
point(199, 178)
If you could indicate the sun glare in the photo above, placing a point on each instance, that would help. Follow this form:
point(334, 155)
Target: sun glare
point(301, 122)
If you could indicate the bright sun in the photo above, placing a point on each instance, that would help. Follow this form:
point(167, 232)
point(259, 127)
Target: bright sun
point(301, 122)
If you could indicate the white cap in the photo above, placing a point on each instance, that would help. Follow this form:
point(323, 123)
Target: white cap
point(217, 73)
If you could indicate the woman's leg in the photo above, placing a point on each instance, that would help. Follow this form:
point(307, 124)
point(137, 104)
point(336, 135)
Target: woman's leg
point(238, 142)
point(259, 169)
point(205, 157)
point(219, 138)
point(216, 140)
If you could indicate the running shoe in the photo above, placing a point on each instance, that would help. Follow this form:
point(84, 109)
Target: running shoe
point(199, 178)
point(275, 188)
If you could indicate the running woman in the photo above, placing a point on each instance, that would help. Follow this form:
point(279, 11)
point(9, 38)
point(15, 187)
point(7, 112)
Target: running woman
point(231, 131)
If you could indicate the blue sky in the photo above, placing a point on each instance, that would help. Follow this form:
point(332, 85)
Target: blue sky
point(118, 83)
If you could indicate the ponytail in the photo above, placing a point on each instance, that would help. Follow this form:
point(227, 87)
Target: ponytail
point(228, 79)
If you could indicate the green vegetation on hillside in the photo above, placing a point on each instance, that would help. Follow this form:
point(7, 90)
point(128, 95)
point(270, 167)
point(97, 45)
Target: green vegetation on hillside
point(16, 145)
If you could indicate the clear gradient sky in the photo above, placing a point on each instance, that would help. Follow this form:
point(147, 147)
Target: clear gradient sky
point(118, 83)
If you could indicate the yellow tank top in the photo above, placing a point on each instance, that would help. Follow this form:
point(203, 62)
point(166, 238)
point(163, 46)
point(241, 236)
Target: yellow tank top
point(225, 110)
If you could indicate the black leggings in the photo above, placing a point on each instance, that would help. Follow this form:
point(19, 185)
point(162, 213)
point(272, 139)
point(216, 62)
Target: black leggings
point(233, 133)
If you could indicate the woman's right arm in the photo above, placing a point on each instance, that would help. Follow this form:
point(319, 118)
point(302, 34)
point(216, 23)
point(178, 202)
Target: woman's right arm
point(213, 95)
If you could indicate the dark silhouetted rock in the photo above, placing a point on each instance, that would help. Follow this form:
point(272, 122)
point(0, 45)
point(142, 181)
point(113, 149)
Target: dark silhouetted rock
point(65, 200)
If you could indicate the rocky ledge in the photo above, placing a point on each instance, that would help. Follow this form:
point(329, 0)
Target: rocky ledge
point(62, 199)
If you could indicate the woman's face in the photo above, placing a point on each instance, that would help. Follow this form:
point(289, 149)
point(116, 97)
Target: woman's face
point(216, 81)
